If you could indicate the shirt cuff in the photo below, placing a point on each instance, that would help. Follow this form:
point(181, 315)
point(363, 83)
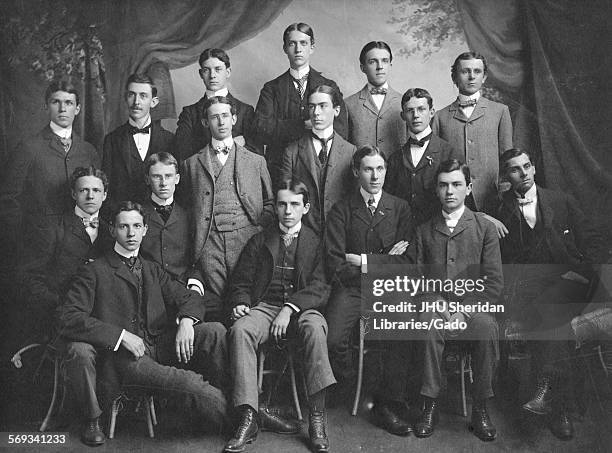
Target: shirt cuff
point(195, 320)
point(196, 282)
point(295, 308)
point(119, 341)
point(364, 263)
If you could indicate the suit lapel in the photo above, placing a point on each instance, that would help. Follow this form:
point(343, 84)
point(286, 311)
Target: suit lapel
point(479, 109)
point(359, 209)
point(547, 211)
point(457, 112)
point(306, 154)
point(463, 223)
point(121, 270)
point(388, 101)
point(305, 251)
point(272, 243)
point(383, 210)
point(78, 229)
point(439, 224)
point(368, 102)
point(430, 155)
point(204, 158)
point(53, 141)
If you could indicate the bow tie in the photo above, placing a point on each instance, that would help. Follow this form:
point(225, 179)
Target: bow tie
point(419, 143)
point(222, 149)
point(378, 90)
point(134, 130)
point(524, 201)
point(93, 222)
point(288, 237)
point(468, 103)
point(163, 211)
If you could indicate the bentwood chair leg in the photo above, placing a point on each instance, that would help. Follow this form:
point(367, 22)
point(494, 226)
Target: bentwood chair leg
point(360, 367)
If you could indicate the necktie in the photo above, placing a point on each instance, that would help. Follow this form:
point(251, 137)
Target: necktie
point(164, 211)
point(222, 150)
point(288, 238)
point(134, 130)
point(468, 103)
point(419, 143)
point(301, 85)
point(66, 142)
point(93, 222)
point(378, 90)
point(524, 201)
point(371, 206)
point(323, 153)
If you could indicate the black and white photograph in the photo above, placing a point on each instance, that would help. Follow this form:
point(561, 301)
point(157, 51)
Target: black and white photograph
point(306, 226)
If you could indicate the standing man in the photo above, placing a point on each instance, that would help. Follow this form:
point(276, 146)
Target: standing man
point(321, 158)
point(278, 291)
point(231, 196)
point(374, 111)
point(37, 182)
point(127, 147)
point(191, 135)
point(369, 223)
point(556, 246)
point(169, 240)
point(124, 311)
point(480, 128)
point(459, 245)
point(412, 170)
point(281, 115)
point(60, 247)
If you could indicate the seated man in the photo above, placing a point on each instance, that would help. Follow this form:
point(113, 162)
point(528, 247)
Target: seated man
point(459, 244)
point(556, 247)
point(125, 312)
point(321, 158)
point(278, 287)
point(60, 247)
point(169, 238)
point(369, 223)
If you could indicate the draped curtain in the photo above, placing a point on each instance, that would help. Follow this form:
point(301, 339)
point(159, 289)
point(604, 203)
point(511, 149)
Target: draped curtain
point(554, 57)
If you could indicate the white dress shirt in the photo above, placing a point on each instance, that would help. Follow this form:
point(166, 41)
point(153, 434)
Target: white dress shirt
point(529, 208)
point(298, 74)
point(324, 134)
point(366, 197)
point(416, 152)
point(467, 111)
point(295, 229)
point(378, 98)
point(62, 132)
point(222, 92)
point(227, 142)
point(142, 141)
point(161, 202)
point(126, 254)
point(453, 218)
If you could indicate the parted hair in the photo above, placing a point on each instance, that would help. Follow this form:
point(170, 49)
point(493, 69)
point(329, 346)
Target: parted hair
point(301, 27)
point(467, 56)
point(374, 45)
point(79, 172)
point(296, 186)
point(214, 53)
point(125, 206)
point(61, 85)
point(366, 150)
point(451, 165)
point(219, 100)
point(142, 78)
point(417, 93)
point(163, 157)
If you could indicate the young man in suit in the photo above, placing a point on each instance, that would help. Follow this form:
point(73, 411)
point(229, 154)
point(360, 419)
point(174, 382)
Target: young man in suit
point(556, 246)
point(169, 237)
point(459, 245)
point(370, 222)
point(37, 181)
point(480, 128)
point(281, 115)
point(374, 111)
point(278, 290)
point(321, 158)
point(230, 193)
point(60, 247)
point(125, 312)
point(127, 147)
point(412, 169)
point(191, 135)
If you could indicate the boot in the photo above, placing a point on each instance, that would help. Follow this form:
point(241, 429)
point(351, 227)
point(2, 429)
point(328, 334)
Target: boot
point(391, 421)
point(317, 431)
point(561, 424)
point(92, 434)
point(541, 402)
point(481, 424)
point(246, 432)
point(424, 426)
point(270, 419)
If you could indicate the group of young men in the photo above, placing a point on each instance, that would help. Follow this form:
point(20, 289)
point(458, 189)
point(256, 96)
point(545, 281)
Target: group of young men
point(199, 250)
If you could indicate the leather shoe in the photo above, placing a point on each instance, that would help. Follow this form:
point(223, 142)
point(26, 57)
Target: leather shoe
point(561, 425)
point(424, 426)
point(92, 434)
point(540, 404)
point(391, 421)
point(245, 433)
point(270, 419)
point(481, 425)
point(317, 432)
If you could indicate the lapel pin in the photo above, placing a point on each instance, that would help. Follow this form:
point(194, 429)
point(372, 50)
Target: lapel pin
point(429, 160)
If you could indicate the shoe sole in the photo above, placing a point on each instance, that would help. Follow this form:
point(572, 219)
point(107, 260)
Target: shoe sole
point(484, 439)
point(534, 411)
point(248, 441)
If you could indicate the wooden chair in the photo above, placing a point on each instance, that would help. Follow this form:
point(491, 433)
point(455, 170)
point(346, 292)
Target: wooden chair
point(142, 401)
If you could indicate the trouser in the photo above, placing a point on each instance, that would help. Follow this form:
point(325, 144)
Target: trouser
point(154, 372)
point(252, 330)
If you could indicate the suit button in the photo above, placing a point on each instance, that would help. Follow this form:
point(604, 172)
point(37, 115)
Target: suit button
point(207, 193)
point(413, 175)
point(380, 140)
point(166, 264)
point(233, 223)
point(231, 183)
point(134, 321)
point(470, 141)
point(371, 229)
point(207, 218)
point(451, 260)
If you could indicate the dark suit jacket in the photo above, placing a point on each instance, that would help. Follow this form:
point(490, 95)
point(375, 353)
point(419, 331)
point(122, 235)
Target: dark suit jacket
point(569, 235)
point(300, 162)
point(55, 253)
point(169, 244)
point(253, 273)
point(482, 138)
point(127, 182)
point(351, 229)
point(191, 135)
point(367, 125)
point(280, 114)
point(417, 184)
point(102, 301)
point(37, 182)
point(471, 251)
point(197, 190)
